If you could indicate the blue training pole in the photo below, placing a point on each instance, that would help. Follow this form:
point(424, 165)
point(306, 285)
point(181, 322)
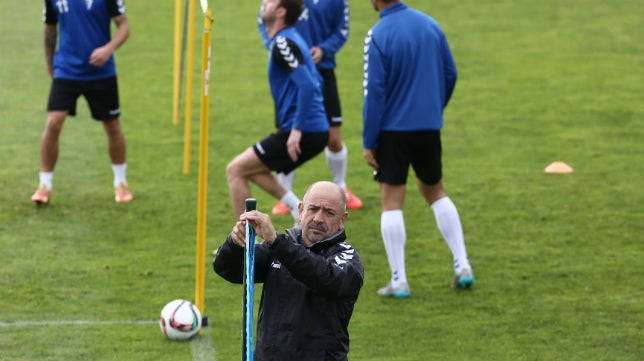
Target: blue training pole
point(249, 286)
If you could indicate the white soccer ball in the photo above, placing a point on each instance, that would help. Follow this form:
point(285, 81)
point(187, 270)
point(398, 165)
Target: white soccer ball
point(180, 320)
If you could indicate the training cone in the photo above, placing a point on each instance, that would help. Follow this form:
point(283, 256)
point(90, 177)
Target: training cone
point(558, 168)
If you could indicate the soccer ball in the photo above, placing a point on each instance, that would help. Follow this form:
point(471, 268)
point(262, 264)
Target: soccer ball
point(180, 320)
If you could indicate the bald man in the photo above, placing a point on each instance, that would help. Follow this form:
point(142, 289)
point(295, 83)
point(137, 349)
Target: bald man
point(311, 275)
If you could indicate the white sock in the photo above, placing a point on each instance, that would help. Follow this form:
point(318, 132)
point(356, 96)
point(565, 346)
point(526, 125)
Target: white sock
point(394, 236)
point(337, 162)
point(46, 179)
point(119, 174)
point(449, 225)
point(292, 202)
point(286, 179)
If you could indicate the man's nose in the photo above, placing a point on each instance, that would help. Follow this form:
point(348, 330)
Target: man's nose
point(318, 217)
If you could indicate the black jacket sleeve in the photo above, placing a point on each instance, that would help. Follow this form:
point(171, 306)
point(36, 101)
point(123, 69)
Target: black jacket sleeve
point(229, 262)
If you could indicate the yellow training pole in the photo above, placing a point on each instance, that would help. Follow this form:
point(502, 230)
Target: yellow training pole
point(177, 62)
point(187, 135)
point(203, 165)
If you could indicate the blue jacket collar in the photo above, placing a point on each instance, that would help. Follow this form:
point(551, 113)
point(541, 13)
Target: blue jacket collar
point(393, 9)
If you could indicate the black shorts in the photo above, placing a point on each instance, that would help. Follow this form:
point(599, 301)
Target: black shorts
point(331, 97)
point(272, 149)
point(397, 150)
point(102, 96)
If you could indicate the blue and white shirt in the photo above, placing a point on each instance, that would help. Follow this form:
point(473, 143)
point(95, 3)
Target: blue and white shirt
point(83, 25)
point(409, 74)
point(324, 24)
point(295, 84)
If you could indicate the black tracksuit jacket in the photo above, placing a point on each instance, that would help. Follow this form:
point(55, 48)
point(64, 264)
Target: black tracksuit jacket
point(307, 298)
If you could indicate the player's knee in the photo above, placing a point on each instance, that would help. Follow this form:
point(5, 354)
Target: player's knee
point(236, 170)
point(54, 125)
point(335, 144)
point(232, 170)
point(112, 128)
point(431, 192)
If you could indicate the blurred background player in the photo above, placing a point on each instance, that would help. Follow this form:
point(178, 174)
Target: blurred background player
point(302, 127)
point(409, 77)
point(324, 25)
point(83, 65)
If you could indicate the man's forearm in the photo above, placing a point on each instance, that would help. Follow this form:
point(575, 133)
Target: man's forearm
point(122, 32)
point(51, 36)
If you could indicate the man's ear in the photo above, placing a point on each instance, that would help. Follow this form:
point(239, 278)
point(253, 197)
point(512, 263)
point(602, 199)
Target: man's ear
point(280, 12)
point(300, 208)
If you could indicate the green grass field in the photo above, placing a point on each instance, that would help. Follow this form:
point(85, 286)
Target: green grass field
point(557, 258)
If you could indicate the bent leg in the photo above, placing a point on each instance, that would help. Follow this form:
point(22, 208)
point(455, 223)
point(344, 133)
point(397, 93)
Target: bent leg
point(248, 167)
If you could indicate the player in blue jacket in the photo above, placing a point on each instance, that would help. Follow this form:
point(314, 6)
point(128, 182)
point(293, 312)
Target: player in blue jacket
point(83, 65)
point(409, 77)
point(303, 130)
point(324, 25)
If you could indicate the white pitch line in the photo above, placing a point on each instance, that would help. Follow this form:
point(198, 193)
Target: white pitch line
point(75, 322)
point(201, 345)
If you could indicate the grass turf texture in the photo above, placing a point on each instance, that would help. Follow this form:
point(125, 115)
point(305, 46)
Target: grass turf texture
point(557, 258)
